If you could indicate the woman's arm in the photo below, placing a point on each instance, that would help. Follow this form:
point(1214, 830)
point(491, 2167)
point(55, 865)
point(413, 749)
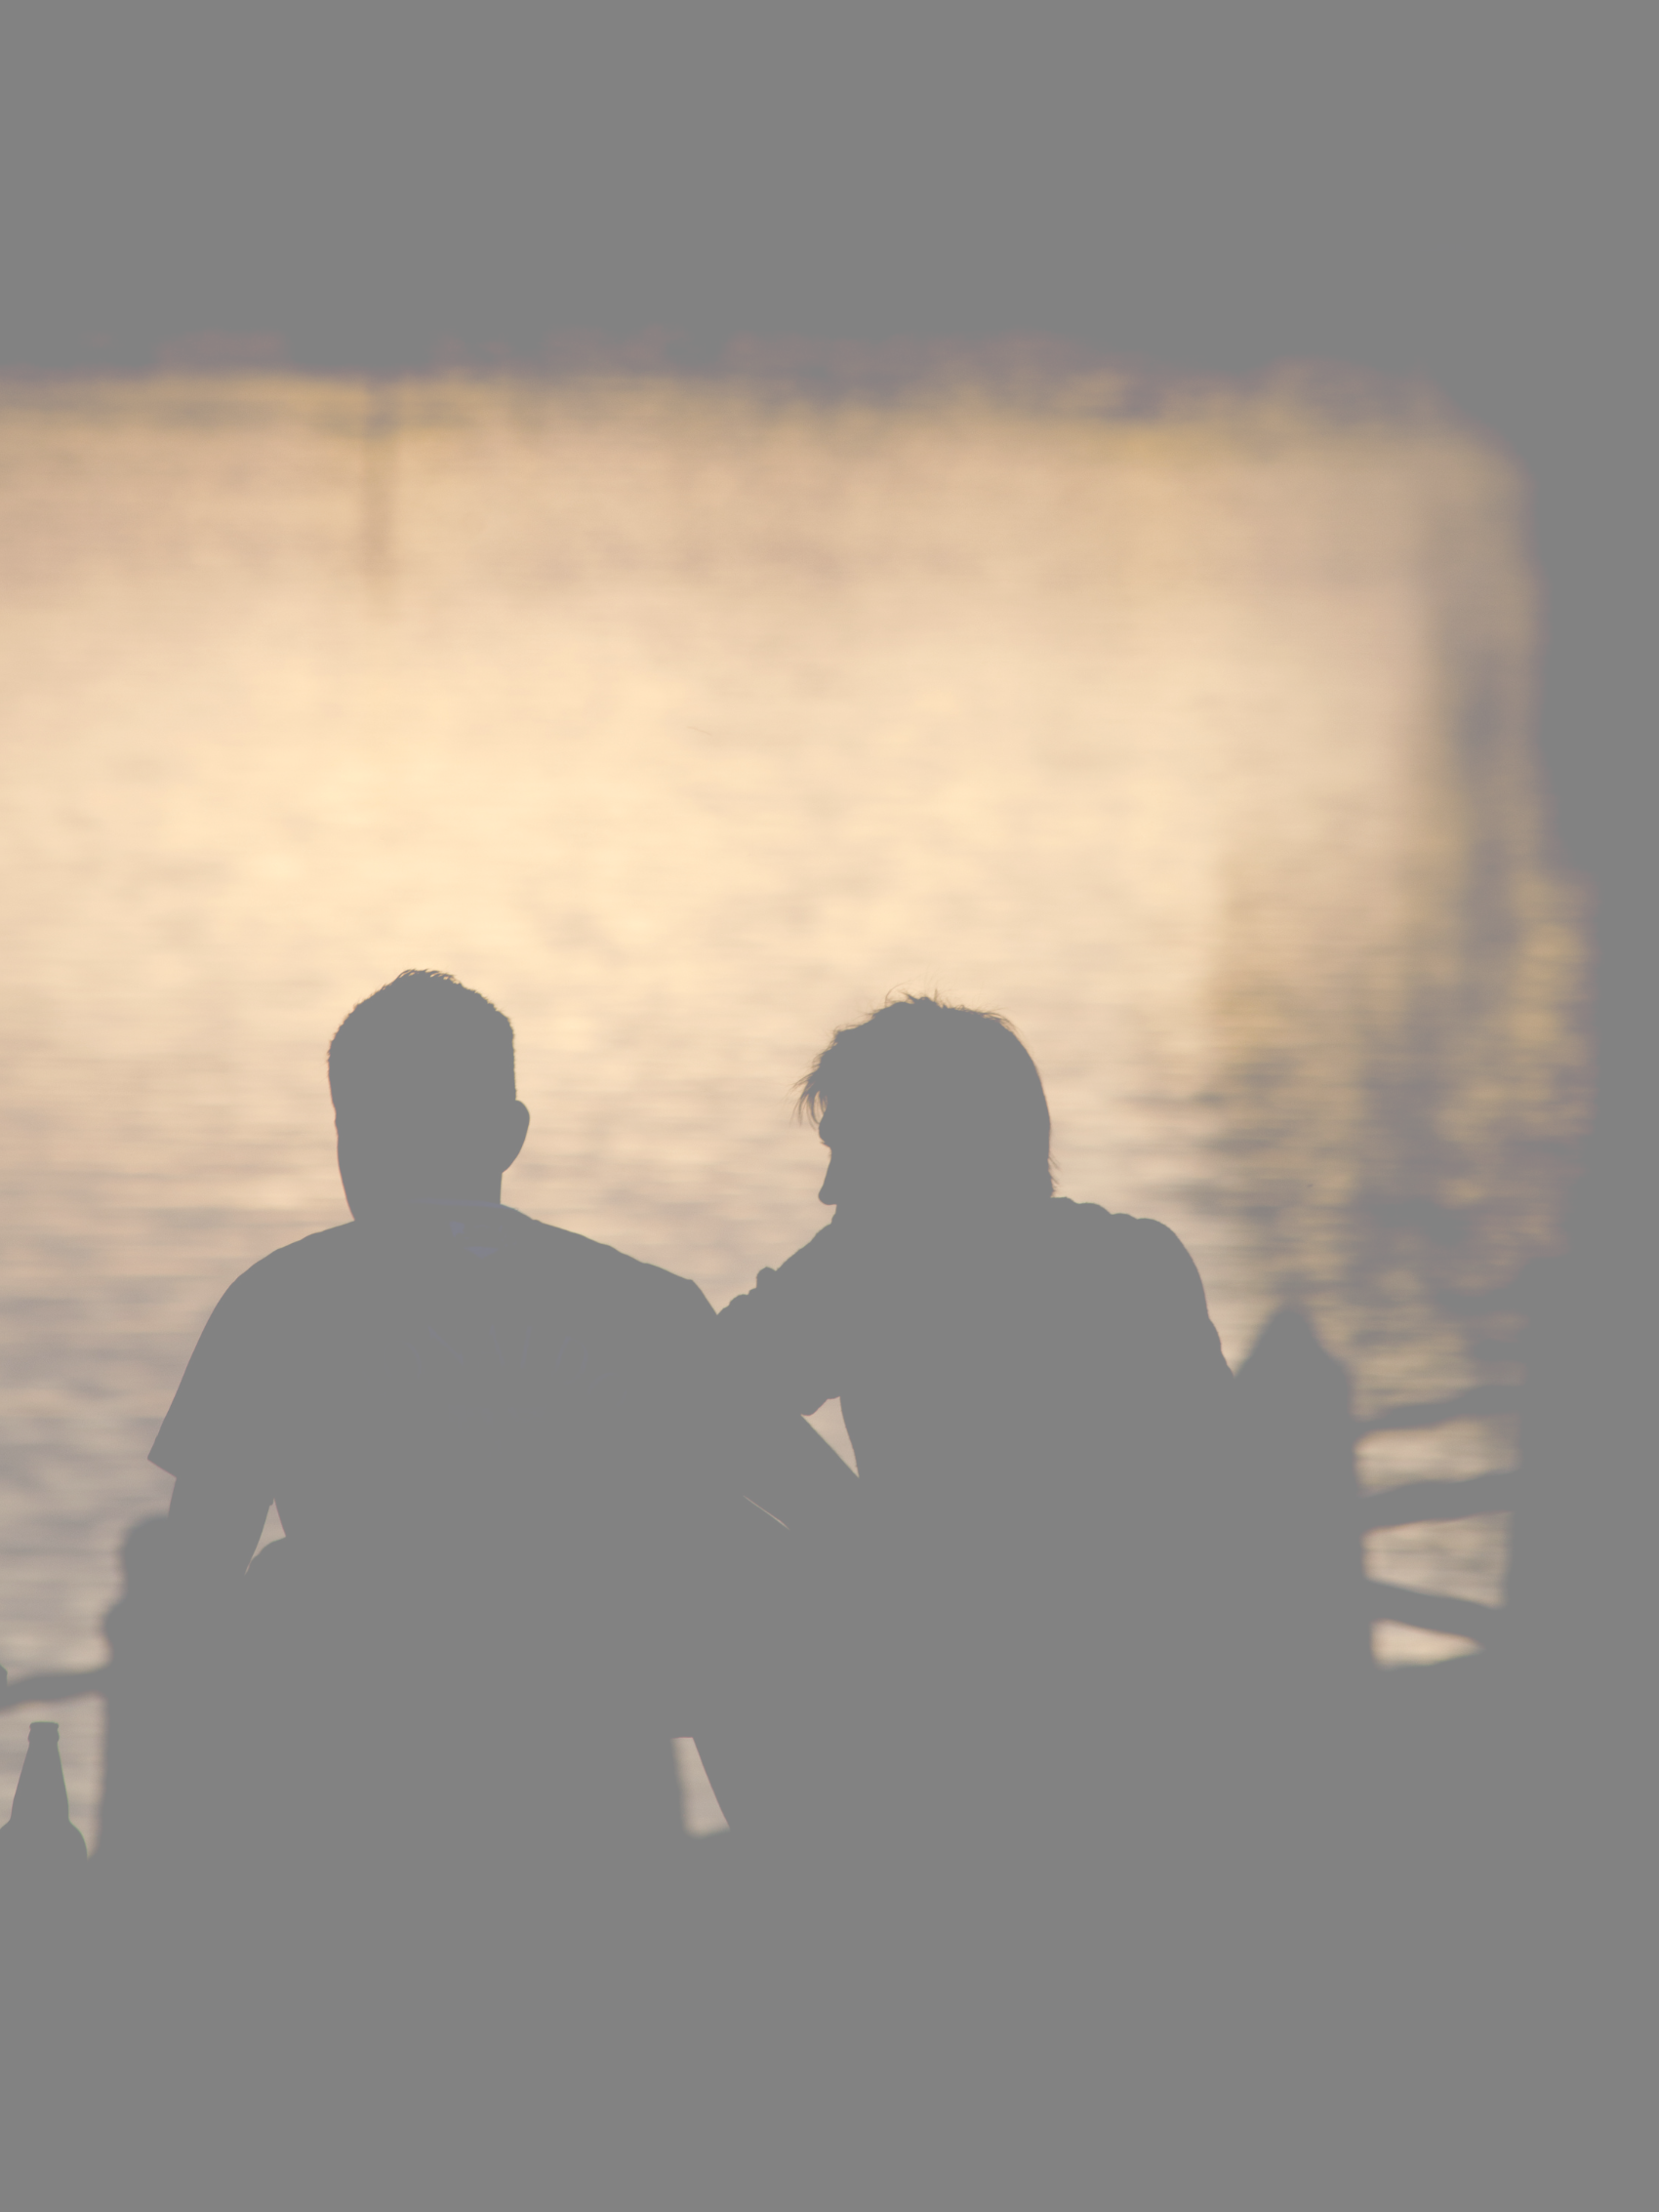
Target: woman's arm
point(780, 1341)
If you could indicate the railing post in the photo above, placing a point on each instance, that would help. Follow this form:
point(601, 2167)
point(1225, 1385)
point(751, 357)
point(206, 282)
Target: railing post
point(1296, 1451)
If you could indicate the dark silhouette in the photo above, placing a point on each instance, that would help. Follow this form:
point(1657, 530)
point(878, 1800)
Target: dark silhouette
point(1296, 1435)
point(1080, 1853)
point(45, 1994)
point(1234, 201)
point(138, 1698)
point(407, 1829)
point(55, 1687)
point(1118, 1866)
point(1044, 1691)
point(39, 1845)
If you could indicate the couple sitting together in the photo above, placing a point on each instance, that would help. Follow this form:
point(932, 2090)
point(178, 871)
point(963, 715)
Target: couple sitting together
point(546, 1512)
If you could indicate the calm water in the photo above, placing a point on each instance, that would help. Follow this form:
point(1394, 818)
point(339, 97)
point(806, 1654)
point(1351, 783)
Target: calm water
point(688, 722)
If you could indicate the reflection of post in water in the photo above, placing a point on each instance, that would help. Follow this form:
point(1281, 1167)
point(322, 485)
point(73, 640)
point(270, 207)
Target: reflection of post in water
point(378, 517)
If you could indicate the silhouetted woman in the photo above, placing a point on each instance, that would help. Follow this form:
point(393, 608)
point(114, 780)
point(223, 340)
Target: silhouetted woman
point(1018, 1687)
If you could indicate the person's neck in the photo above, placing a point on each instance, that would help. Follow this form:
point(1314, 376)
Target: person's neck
point(914, 1218)
point(418, 1206)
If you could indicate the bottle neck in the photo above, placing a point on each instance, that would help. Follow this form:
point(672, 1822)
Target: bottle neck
point(42, 1798)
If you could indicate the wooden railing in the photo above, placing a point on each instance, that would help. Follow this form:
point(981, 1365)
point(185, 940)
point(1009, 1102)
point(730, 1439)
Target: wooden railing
point(1404, 1505)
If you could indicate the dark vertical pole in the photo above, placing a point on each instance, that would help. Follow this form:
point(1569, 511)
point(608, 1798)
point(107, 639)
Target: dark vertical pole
point(1306, 1559)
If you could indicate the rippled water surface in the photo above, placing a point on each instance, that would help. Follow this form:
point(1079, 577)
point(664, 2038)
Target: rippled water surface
point(686, 723)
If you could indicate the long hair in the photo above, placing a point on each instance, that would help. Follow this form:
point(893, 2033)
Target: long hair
point(959, 1069)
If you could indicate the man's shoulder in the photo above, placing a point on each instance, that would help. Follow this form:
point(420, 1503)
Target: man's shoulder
point(296, 1268)
point(569, 1259)
point(553, 1258)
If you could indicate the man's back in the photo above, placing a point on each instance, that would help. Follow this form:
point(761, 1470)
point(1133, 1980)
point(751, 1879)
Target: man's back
point(427, 1814)
point(408, 1896)
point(488, 1443)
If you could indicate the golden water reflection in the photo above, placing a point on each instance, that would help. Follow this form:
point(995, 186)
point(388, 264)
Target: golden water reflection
point(688, 721)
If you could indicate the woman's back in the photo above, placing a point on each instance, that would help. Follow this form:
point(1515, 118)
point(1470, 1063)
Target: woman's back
point(1028, 1675)
point(1035, 1398)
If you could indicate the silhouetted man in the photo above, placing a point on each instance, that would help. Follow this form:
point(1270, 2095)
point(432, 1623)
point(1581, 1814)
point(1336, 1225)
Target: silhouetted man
point(1025, 1715)
point(427, 1739)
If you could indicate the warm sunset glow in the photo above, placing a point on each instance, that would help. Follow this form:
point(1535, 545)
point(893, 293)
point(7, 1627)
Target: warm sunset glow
point(687, 722)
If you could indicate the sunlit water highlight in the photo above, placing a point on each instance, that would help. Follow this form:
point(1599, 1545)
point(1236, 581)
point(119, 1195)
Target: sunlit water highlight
point(687, 722)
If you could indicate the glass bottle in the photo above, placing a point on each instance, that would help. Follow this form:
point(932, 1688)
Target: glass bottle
point(40, 1843)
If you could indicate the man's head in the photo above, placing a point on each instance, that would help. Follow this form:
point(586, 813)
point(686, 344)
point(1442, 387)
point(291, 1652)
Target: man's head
point(425, 1099)
point(924, 1104)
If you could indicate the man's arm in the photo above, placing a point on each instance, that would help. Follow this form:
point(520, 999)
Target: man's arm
point(174, 1663)
point(220, 1439)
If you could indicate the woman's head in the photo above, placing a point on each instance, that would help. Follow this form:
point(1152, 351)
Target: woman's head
point(924, 1101)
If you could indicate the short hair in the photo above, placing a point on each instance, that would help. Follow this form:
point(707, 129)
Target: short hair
point(965, 1068)
point(424, 1026)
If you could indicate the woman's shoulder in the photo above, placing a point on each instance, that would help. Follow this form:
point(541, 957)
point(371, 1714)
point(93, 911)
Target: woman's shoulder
point(1134, 1256)
point(1131, 1238)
